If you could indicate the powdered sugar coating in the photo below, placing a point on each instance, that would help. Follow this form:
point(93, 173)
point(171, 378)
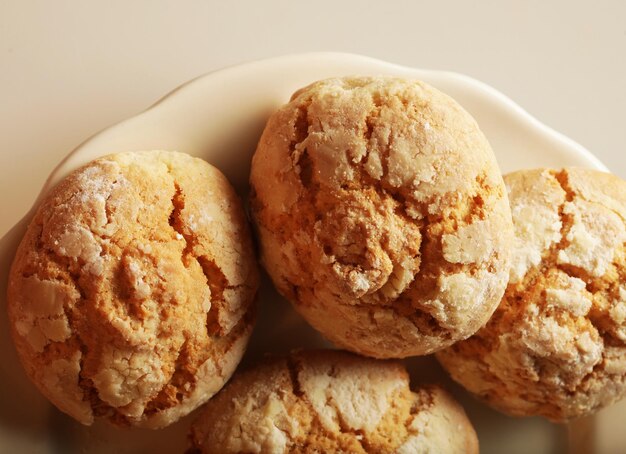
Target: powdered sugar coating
point(329, 401)
point(556, 345)
point(131, 293)
point(380, 207)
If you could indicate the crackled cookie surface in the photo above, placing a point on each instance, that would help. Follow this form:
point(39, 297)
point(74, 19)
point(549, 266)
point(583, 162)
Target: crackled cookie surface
point(382, 215)
point(131, 293)
point(556, 345)
point(329, 401)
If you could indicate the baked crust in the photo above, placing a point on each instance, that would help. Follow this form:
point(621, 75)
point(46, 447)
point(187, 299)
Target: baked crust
point(130, 296)
point(556, 345)
point(330, 401)
point(382, 215)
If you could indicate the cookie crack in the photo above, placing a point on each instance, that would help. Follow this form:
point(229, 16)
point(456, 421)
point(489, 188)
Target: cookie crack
point(107, 205)
point(594, 285)
point(177, 223)
point(433, 228)
point(294, 368)
point(215, 278)
point(184, 379)
point(298, 153)
point(422, 400)
point(423, 321)
point(567, 220)
point(358, 435)
point(368, 131)
point(73, 265)
point(218, 283)
point(563, 179)
point(90, 392)
point(85, 383)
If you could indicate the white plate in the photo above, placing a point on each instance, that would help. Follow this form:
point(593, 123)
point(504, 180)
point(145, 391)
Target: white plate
point(219, 117)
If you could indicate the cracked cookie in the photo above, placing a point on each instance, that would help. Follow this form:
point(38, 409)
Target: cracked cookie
point(556, 345)
point(331, 401)
point(382, 215)
point(131, 295)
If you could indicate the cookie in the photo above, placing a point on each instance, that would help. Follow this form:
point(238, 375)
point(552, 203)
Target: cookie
point(382, 215)
point(131, 295)
point(330, 401)
point(556, 345)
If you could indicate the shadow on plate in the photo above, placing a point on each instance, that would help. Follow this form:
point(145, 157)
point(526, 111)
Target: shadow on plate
point(24, 412)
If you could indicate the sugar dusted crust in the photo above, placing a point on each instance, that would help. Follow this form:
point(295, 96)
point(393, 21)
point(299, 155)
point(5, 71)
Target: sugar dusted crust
point(328, 401)
point(382, 215)
point(131, 293)
point(556, 346)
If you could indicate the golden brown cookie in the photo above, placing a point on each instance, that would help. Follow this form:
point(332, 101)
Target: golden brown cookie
point(130, 296)
point(382, 215)
point(330, 401)
point(556, 345)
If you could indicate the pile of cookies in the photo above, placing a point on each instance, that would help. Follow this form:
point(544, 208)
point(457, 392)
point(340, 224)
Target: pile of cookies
point(382, 216)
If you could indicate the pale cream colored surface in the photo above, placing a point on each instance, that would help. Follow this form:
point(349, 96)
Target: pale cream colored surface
point(69, 68)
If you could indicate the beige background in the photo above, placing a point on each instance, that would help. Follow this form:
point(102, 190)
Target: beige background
point(71, 68)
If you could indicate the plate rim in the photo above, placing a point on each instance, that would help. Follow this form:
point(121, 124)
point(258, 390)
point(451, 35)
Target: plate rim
point(490, 94)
